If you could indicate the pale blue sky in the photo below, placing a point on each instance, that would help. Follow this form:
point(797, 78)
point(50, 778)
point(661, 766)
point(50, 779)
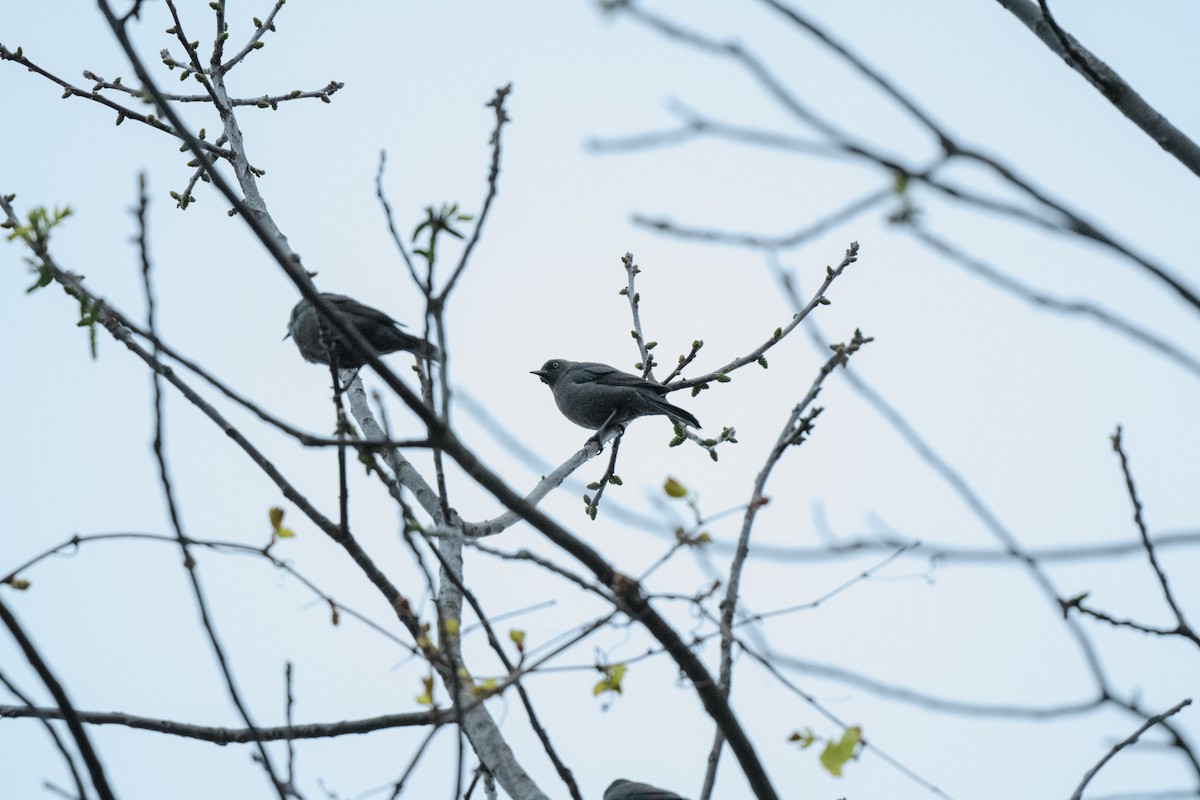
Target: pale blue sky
point(1021, 402)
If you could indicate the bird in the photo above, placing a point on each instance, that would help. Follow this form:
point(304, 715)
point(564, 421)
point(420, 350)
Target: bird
point(596, 395)
point(622, 789)
point(381, 331)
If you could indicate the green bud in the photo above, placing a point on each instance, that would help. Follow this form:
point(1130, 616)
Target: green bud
point(259, 45)
point(723, 378)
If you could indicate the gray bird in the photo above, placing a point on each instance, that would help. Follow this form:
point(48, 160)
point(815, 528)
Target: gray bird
point(622, 789)
point(378, 328)
point(596, 395)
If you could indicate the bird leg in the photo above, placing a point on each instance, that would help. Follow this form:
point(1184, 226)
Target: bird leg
point(598, 437)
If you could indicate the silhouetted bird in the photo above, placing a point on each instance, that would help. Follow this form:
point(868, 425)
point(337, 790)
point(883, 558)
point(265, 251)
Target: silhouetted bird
point(378, 328)
point(622, 789)
point(596, 395)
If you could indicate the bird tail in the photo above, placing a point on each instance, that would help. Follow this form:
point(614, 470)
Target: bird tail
point(427, 350)
point(399, 340)
point(676, 413)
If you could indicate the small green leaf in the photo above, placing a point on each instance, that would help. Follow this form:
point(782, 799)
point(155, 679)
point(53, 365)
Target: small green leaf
point(611, 682)
point(674, 488)
point(836, 754)
point(804, 738)
point(425, 698)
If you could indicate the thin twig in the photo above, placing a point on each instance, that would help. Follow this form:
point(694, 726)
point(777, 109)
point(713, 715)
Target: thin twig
point(66, 711)
point(1121, 745)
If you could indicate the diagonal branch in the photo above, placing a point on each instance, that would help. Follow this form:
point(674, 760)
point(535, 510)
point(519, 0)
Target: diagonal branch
point(1122, 96)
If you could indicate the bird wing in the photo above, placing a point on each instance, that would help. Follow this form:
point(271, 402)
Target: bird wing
point(608, 376)
point(352, 308)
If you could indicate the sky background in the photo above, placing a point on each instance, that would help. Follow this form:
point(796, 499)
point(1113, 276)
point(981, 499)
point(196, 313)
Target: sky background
point(1021, 402)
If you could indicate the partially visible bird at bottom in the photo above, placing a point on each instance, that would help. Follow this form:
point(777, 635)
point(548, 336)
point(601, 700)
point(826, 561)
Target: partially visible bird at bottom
point(376, 327)
point(596, 396)
point(622, 789)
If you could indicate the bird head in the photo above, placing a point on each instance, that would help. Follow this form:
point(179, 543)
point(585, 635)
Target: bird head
point(551, 371)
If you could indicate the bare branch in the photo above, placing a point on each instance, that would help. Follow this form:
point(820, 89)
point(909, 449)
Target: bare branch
point(1121, 745)
point(224, 736)
point(1122, 96)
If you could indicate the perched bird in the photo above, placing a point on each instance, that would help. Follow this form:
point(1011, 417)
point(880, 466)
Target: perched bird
point(596, 395)
point(622, 789)
point(378, 328)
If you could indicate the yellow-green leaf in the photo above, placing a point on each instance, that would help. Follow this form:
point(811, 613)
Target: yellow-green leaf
point(674, 488)
point(804, 738)
point(425, 698)
point(611, 682)
point(836, 754)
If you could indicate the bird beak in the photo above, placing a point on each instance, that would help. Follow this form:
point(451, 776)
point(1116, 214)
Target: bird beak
point(540, 373)
point(286, 336)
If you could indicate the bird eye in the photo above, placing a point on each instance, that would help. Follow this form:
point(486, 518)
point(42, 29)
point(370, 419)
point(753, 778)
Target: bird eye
point(554, 365)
